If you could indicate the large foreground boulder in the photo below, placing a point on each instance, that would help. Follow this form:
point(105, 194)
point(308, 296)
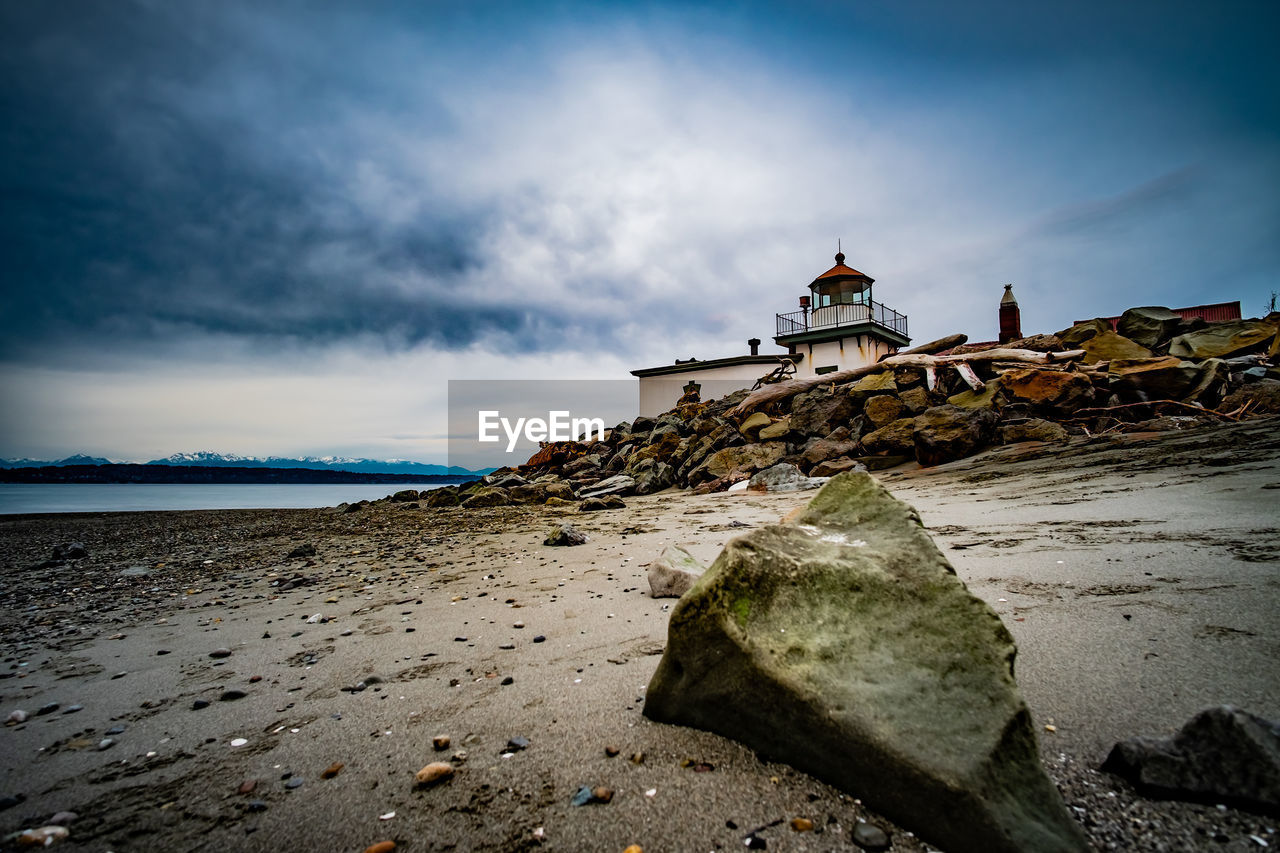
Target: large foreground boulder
point(1222, 755)
point(843, 644)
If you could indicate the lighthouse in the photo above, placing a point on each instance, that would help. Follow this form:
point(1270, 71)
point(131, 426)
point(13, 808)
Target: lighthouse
point(839, 324)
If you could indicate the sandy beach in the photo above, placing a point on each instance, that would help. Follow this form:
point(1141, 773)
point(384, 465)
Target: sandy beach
point(1136, 572)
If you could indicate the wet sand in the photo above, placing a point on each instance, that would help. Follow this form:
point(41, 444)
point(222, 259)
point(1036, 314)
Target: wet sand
point(1137, 573)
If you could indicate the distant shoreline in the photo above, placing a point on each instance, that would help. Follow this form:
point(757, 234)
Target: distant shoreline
point(196, 474)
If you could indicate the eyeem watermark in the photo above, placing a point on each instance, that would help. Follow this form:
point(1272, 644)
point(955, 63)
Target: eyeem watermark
point(558, 426)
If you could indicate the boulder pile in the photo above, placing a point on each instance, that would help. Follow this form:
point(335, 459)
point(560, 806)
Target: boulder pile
point(933, 404)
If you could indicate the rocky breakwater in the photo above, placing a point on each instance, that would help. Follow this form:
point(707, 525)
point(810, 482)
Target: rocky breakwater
point(843, 643)
point(933, 404)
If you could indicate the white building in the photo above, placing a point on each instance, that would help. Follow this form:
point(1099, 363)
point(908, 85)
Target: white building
point(837, 327)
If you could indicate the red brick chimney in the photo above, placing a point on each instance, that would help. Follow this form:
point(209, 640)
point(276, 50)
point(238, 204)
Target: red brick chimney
point(1010, 317)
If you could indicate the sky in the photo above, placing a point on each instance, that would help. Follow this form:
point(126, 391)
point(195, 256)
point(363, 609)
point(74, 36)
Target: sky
point(281, 228)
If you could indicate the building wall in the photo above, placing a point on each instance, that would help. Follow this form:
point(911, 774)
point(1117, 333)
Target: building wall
point(843, 354)
point(660, 394)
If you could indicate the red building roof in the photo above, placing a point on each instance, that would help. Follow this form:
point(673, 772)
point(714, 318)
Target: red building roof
point(1217, 312)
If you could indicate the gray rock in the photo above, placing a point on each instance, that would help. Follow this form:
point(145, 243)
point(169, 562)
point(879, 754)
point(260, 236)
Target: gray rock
point(1223, 340)
point(673, 573)
point(505, 480)
point(488, 496)
point(565, 534)
point(619, 484)
point(819, 412)
point(70, 551)
point(405, 495)
point(868, 836)
point(1033, 429)
point(783, 477)
point(896, 438)
point(597, 504)
point(843, 644)
point(444, 496)
point(1149, 326)
point(883, 410)
point(946, 433)
point(1222, 755)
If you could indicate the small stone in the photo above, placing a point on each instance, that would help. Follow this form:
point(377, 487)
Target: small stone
point(247, 786)
point(115, 730)
point(255, 806)
point(15, 718)
point(74, 709)
point(381, 847)
point(539, 639)
point(755, 842)
point(633, 848)
point(238, 741)
point(232, 695)
point(801, 824)
point(70, 551)
point(295, 782)
point(434, 773)
point(611, 751)
point(518, 743)
point(105, 744)
point(162, 651)
point(508, 680)
point(119, 675)
point(868, 836)
point(565, 534)
point(518, 625)
point(507, 646)
point(63, 818)
point(582, 797)
point(459, 639)
point(220, 653)
point(440, 743)
point(42, 837)
point(601, 794)
point(199, 703)
point(332, 770)
point(637, 758)
point(47, 709)
point(255, 679)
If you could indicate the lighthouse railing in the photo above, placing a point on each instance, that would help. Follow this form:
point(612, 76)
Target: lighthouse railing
point(841, 314)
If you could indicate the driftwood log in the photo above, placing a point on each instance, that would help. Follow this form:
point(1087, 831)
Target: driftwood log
point(928, 363)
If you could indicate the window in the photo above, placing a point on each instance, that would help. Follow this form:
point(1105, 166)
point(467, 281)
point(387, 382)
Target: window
point(831, 368)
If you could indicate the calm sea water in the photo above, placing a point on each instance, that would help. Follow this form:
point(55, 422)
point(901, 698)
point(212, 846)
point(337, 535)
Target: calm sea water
point(127, 497)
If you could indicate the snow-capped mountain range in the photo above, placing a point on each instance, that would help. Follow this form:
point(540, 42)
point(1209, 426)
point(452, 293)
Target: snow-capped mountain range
point(205, 458)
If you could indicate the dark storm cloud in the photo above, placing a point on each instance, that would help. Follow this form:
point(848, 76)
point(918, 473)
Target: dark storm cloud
point(166, 170)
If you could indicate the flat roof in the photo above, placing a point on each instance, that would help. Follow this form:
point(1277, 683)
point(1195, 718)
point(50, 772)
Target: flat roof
point(732, 361)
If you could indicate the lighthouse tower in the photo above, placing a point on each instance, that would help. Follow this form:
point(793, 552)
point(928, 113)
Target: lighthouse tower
point(839, 326)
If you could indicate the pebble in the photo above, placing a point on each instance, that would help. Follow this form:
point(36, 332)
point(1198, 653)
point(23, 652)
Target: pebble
point(868, 836)
point(434, 773)
point(332, 770)
point(115, 730)
point(232, 695)
point(199, 703)
point(255, 679)
point(801, 824)
point(507, 646)
point(611, 751)
point(518, 625)
point(238, 741)
point(440, 743)
point(381, 847)
point(755, 842)
point(162, 651)
point(256, 806)
point(63, 818)
point(42, 837)
point(508, 680)
point(518, 743)
point(15, 718)
point(247, 786)
point(295, 782)
point(633, 848)
point(47, 709)
point(105, 743)
point(539, 639)
point(73, 709)
point(119, 675)
point(220, 653)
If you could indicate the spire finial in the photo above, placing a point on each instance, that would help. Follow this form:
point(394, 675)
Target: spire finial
point(839, 252)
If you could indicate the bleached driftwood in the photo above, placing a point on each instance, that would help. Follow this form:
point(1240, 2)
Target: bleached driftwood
point(928, 363)
point(933, 347)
